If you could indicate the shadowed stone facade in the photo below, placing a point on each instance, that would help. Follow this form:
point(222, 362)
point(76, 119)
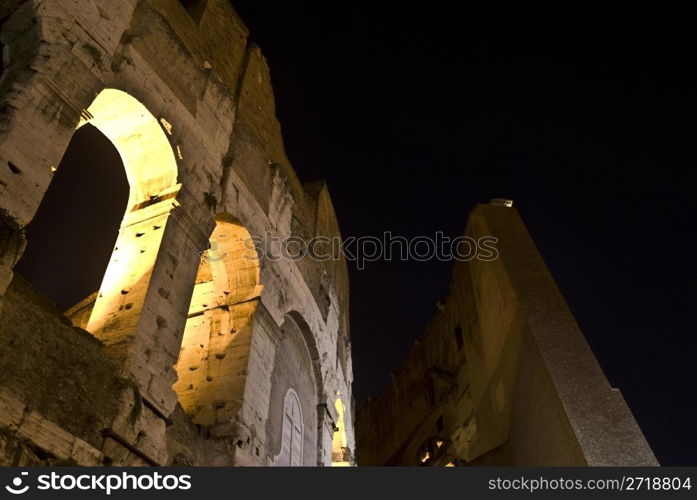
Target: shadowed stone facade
point(186, 354)
point(502, 376)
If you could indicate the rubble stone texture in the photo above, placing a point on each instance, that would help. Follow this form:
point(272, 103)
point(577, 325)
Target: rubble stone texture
point(502, 376)
point(184, 354)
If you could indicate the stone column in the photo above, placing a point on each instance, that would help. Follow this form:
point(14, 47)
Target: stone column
point(142, 304)
point(326, 427)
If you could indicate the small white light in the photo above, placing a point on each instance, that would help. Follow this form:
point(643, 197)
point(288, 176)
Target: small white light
point(501, 202)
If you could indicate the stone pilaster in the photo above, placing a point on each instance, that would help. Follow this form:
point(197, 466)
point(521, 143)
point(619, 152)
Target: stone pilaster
point(142, 304)
point(326, 427)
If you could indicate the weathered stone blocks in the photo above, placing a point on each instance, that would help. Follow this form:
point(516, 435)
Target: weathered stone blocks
point(193, 120)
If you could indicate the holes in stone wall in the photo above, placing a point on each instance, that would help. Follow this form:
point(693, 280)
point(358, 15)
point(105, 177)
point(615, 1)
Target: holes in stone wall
point(459, 340)
point(13, 168)
point(195, 8)
point(161, 322)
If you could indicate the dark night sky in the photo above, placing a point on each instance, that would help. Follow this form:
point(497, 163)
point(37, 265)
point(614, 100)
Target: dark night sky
point(585, 117)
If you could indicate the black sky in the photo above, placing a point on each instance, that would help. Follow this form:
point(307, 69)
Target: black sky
point(584, 116)
point(72, 235)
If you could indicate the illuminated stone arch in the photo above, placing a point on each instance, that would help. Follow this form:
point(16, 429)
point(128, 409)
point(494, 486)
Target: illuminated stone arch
point(151, 170)
point(140, 309)
point(147, 155)
point(212, 365)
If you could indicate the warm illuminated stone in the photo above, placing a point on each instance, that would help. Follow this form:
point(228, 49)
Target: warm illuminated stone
point(177, 343)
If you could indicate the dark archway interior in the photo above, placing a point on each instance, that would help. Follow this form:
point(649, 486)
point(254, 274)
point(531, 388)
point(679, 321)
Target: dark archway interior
point(87, 196)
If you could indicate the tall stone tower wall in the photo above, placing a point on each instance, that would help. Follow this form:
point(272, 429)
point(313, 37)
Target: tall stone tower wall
point(503, 374)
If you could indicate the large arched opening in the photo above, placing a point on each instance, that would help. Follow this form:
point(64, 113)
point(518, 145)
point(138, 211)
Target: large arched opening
point(86, 236)
point(146, 152)
point(139, 310)
point(72, 235)
point(212, 365)
point(151, 169)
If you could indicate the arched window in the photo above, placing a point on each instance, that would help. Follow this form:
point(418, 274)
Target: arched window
point(214, 354)
point(292, 435)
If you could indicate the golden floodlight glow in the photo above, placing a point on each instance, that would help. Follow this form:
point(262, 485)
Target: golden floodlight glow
point(145, 151)
point(151, 169)
point(222, 308)
point(425, 457)
point(339, 442)
point(229, 272)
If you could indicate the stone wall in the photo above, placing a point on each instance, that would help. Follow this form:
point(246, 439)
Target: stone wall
point(502, 376)
point(187, 102)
